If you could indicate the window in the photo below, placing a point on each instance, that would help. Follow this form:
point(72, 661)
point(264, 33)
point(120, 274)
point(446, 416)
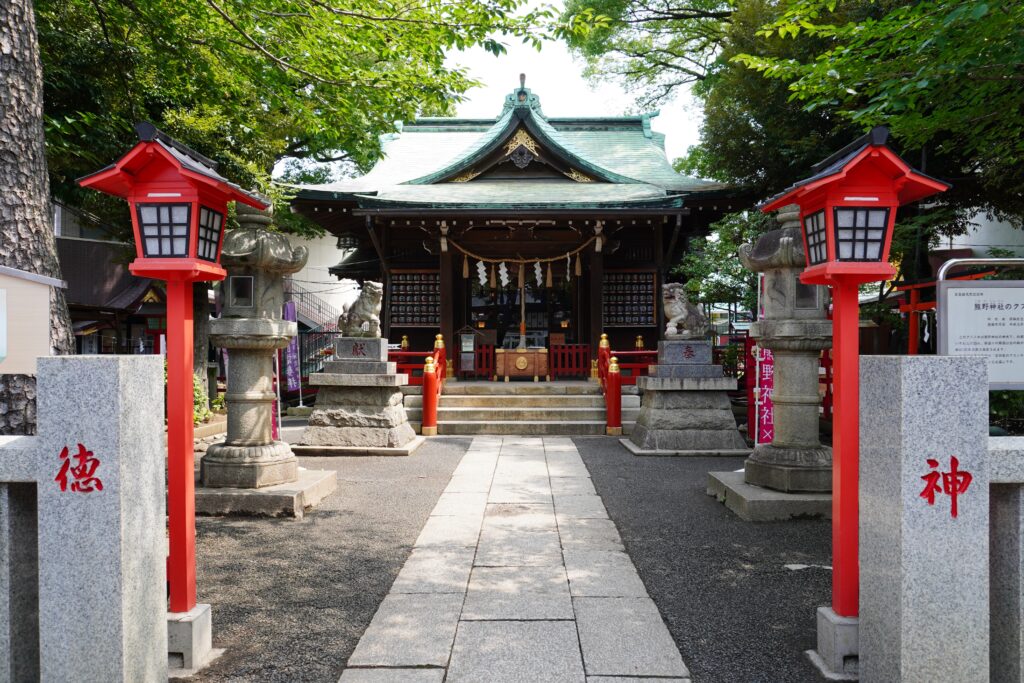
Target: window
point(164, 229)
point(241, 287)
point(210, 223)
point(814, 231)
point(860, 233)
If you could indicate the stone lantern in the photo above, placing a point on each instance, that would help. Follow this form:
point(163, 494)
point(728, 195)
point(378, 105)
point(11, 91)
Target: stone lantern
point(251, 329)
point(794, 327)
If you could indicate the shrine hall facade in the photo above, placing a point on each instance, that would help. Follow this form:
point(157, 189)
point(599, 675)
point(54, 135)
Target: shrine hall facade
point(587, 210)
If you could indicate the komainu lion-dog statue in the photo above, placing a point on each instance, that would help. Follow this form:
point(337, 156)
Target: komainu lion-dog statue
point(679, 312)
point(364, 310)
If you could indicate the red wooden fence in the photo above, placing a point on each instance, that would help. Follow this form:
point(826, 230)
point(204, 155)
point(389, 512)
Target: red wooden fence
point(569, 360)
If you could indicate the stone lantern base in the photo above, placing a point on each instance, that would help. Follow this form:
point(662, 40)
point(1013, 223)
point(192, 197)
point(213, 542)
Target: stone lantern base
point(789, 469)
point(248, 467)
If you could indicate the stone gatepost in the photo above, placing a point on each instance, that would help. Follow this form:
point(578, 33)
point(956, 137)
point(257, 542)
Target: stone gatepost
point(82, 527)
point(795, 329)
point(251, 329)
point(924, 520)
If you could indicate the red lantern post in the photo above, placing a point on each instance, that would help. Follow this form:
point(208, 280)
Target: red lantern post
point(848, 210)
point(178, 205)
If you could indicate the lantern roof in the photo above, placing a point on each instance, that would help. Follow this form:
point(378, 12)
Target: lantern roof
point(156, 146)
point(872, 149)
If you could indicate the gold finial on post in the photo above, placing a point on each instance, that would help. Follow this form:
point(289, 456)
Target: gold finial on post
point(613, 364)
point(639, 341)
point(428, 365)
point(439, 341)
point(604, 344)
point(405, 342)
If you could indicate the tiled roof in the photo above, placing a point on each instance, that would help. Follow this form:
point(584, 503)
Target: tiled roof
point(622, 150)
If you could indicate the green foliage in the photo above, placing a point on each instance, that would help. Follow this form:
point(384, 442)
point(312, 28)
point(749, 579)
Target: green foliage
point(653, 46)
point(944, 75)
point(248, 82)
point(218, 404)
point(752, 133)
point(200, 401)
point(711, 270)
point(1006, 410)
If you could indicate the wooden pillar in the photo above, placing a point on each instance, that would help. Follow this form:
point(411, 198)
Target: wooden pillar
point(447, 299)
point(660, 268)
point(594, 297)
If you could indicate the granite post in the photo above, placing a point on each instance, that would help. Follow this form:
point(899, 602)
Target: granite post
point(251, 329)
point(924, 519)
point(1006, 558)
point(794, 327)
point(82, 524)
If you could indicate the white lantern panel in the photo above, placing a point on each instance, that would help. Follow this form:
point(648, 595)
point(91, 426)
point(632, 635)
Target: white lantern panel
point(860, 233)
point(164, 229)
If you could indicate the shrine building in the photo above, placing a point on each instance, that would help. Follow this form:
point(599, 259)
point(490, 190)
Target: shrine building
point(588, 210)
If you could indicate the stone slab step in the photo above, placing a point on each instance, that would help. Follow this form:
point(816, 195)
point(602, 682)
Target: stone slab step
point(519, 414)
point(566, 428)
point(509, 388)
point(524, 401)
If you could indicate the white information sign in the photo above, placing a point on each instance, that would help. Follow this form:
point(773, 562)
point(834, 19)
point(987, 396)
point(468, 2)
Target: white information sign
point(985, 318)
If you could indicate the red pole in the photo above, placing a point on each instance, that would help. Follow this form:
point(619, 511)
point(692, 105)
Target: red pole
point(845, 449)
point(429, 425)
point(613, 398)
point(181, 503)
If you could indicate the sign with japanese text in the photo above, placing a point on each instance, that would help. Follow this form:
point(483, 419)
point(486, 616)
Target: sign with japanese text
point(765, 387)
point(985, 318)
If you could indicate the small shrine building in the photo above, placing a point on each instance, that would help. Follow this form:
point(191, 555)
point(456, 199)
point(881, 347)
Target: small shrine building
point(588, 210)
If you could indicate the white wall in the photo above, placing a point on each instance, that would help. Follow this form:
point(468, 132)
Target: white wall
point(315, 278)
point(986, 235)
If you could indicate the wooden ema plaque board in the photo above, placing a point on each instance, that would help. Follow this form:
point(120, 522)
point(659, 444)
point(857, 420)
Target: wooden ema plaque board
point(510, 363)
point(415, 299)
point(629, 299)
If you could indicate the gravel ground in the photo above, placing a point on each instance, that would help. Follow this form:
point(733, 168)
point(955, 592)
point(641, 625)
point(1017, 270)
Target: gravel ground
point(291, 598)
point(737, 614)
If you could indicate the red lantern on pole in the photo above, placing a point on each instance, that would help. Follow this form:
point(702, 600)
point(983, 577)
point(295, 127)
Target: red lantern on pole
point(848, 210)
point(178, 205)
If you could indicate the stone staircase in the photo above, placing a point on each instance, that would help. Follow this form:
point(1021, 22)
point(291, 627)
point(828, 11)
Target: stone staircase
point(527, 408)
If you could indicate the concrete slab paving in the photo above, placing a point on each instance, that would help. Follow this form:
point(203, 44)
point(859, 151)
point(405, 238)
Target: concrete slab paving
point(516, 651)
point(410, 630)
point(435, 570)
point(639, 644)
point(392, 676)
point(602, 573)
point(515, 568)
point(520, 593)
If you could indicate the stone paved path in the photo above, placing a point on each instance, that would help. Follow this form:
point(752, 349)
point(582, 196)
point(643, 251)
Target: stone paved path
point(518, 576)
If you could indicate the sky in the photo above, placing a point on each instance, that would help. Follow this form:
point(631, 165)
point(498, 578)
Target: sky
point(557, 79)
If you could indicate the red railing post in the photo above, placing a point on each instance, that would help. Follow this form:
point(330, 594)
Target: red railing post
point(613, 398)
point(429, 426)
point(604, 353)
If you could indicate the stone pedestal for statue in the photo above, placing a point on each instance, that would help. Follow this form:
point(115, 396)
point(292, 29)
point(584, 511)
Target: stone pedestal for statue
point(252, 330)
point(685, 409)
point(359, 405)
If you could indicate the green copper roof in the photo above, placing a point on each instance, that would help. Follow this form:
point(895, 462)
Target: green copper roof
point(623, 156)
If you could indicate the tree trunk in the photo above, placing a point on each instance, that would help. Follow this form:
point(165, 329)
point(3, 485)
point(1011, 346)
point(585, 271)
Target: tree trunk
point(27, 241)
point(201, 333)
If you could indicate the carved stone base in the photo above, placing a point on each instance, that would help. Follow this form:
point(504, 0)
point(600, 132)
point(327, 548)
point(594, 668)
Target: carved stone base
point(248, 467)
point(794, 470)
point(359, 416)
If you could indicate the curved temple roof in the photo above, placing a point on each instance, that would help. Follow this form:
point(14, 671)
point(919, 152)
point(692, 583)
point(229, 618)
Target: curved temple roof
point(562, 162)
